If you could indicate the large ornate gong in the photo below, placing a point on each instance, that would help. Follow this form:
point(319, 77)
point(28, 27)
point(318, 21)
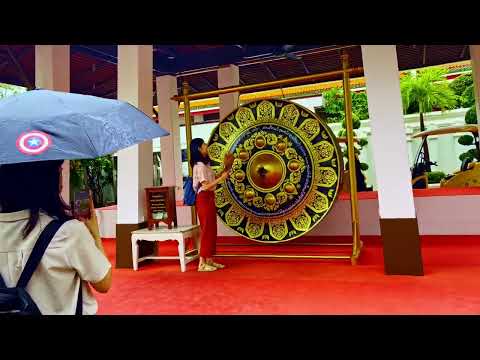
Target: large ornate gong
point(286, 174)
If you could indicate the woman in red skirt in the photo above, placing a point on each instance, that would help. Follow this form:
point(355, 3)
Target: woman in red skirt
point(205, 183)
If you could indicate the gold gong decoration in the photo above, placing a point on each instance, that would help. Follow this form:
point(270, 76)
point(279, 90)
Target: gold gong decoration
point(286, 172)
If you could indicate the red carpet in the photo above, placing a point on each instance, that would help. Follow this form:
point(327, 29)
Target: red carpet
point(451, 285)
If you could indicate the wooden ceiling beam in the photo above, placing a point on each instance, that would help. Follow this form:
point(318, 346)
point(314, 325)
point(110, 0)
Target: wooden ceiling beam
point(304, 66)
point(21, 72)
point(270, 72)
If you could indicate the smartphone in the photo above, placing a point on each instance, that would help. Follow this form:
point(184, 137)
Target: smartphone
point(81, 204)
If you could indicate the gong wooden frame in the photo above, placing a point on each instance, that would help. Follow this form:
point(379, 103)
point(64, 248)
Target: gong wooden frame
point(356, 244)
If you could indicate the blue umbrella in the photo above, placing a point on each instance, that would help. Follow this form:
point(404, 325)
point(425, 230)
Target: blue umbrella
point(43, 125)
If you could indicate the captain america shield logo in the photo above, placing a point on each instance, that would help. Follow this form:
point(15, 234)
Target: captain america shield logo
point(33, 142)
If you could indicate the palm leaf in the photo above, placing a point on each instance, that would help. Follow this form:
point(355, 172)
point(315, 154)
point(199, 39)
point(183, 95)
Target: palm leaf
point(428, 89)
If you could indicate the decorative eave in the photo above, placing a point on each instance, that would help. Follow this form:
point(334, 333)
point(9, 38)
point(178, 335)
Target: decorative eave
point(310, 90)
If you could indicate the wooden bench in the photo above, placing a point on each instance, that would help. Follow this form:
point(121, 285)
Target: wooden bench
point(179, 234)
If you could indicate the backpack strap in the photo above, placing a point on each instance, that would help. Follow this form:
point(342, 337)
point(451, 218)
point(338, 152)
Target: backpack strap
point(79, 309)
point(37, 253)
point(36, 256)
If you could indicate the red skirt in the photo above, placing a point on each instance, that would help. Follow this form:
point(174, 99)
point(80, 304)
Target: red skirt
point(207, 215)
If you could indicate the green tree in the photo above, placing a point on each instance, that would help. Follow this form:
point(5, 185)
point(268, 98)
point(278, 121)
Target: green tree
point(428, 90)
point(333, 109)
point(333, 105)
point(459, 85)
point(8, 90)
point(98, 175)
point(462, 86)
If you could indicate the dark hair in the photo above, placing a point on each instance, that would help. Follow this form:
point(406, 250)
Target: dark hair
point(33, 186)
point(195, 154)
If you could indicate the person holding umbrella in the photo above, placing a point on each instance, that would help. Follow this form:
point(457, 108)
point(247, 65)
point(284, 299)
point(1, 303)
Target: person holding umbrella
point(48, 259)
point(29, 200)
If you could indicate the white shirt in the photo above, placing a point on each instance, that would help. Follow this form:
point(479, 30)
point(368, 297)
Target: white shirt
point(201, 173)
point(71, 256)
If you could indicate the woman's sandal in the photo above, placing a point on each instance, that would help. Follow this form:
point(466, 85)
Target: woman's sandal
point(217, 265)
point(206, 267)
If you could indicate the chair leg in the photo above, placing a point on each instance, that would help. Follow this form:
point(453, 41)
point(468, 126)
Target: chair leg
point(181, 254)
point(135, 254)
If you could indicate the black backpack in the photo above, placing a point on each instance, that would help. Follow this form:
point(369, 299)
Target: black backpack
point(16, 300)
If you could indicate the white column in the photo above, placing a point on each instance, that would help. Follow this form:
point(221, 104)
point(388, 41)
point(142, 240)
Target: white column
point(475, 60)
point(228, 76)
point(170, 148)
point(135, 164)
point(398, 221)
point(390, 152)
point(52, 72)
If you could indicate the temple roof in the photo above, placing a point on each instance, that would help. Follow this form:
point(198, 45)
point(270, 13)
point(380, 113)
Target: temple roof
point(94, 70)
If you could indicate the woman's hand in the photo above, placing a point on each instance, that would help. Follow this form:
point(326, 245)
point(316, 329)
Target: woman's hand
point(228, 161)
point(224, 175)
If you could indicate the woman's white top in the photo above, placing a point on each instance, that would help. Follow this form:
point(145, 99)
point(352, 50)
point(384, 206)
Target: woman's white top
point(201, 173)
point(72, 256)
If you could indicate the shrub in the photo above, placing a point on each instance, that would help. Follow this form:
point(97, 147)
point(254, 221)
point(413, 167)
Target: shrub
point(467, 98)
point(465, 140)
point(333, 111)
point(363, 142)
point(435, 177)
point(464, 156)
point(363, 166)
point(470, 155)
point(471, 116)
point(356, 122)
point(474, 153)
point(360, 105)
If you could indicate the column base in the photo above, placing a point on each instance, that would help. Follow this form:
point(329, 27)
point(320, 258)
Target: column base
point(401, 247)
point(124, 245)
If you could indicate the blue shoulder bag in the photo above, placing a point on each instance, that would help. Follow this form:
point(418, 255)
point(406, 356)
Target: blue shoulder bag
point(189, 194)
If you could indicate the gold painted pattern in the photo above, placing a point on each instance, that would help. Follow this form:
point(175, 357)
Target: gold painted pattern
point(227, 129)
point(301, 222)
point(319, 202)
point(233, 217)
point(254, 229)
point(265, 111)
point(327, 177)
point(220, 197)
point(216, 152)
point(310, 128)
point(325, 158)
point(289, 115)
point(244, 117)
point(324, 151)
point(278, 230)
